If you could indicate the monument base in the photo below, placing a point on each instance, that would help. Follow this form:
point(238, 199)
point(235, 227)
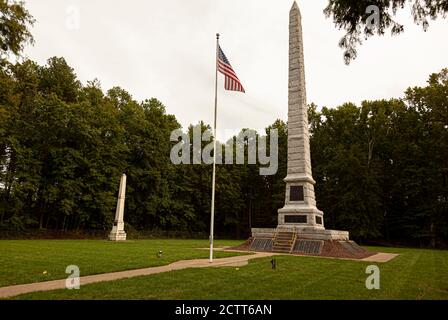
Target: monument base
point(117, 236)
point(305, 241)
point(302, 233)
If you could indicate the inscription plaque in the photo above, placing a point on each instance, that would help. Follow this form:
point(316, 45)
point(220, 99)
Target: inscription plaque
point(296, 193)
point(296, 219)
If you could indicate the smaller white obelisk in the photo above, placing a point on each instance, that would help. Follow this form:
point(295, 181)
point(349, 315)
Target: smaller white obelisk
point(117, 233)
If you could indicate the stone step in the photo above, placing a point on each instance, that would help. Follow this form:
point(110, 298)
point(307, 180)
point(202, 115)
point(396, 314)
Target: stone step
point(283, 243)
point(289, 234)
point(288, 242)
point(280, 246)
point(283, 239)
point(281, 250)
point(282, 236)
point(285, 247)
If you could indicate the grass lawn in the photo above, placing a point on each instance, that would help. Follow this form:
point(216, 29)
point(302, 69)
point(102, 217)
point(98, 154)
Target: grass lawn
point(25, 261)
point(415, 274)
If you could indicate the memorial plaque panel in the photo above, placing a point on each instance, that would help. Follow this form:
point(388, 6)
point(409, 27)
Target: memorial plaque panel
point(296, 193)
point(261, 244)
point(308, 246)
point(296, 219)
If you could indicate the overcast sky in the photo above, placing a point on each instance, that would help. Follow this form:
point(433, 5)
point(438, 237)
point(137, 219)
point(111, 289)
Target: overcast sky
point(166, 50)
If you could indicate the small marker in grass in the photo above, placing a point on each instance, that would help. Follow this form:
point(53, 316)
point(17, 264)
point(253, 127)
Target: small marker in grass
point(274, 264)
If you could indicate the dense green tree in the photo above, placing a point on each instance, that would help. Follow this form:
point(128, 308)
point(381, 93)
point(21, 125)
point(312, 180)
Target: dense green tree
point(59, 79)
point(380, 167)
point(15, 22)
point(431, 170)
point(347, 184)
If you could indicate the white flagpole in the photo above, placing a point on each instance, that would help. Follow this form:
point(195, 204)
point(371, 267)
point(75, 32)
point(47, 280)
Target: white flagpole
point(212, 218)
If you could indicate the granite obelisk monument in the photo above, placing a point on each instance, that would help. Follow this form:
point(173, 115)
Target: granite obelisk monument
point(300, 204)
point(300, 214)
point(301, 228)
point(117, 233)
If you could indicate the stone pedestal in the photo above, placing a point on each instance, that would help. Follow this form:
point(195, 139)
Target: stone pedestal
point(301, 233)
point(118, 233)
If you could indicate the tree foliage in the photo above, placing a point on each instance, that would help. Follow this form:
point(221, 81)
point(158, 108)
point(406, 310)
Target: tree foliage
point(353, 17)
point(15, 21)
point(381, 168)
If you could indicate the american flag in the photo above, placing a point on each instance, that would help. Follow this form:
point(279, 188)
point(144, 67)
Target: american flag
point(232, 82)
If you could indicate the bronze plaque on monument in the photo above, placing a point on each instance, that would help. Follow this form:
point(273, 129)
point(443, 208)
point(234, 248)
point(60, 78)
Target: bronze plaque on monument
point(296, 193)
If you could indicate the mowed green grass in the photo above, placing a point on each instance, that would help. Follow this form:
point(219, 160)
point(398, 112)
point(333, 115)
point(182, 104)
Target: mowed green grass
point(27, 261)
point(415, 274)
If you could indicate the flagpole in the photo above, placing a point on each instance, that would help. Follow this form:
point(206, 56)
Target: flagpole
point(212, 218)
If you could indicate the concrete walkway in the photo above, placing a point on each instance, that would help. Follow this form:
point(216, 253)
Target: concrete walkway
point(377, 257)
point(11, 291)
point(381, 257)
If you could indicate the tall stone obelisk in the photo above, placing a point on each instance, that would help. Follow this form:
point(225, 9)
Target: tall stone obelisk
point(300, 228)
point(300, 209)
point(117, 233)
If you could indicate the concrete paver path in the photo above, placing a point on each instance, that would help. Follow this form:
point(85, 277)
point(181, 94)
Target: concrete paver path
point(381, 257)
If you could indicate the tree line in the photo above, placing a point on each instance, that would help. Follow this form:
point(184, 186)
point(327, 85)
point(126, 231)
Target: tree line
point(381, 167)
